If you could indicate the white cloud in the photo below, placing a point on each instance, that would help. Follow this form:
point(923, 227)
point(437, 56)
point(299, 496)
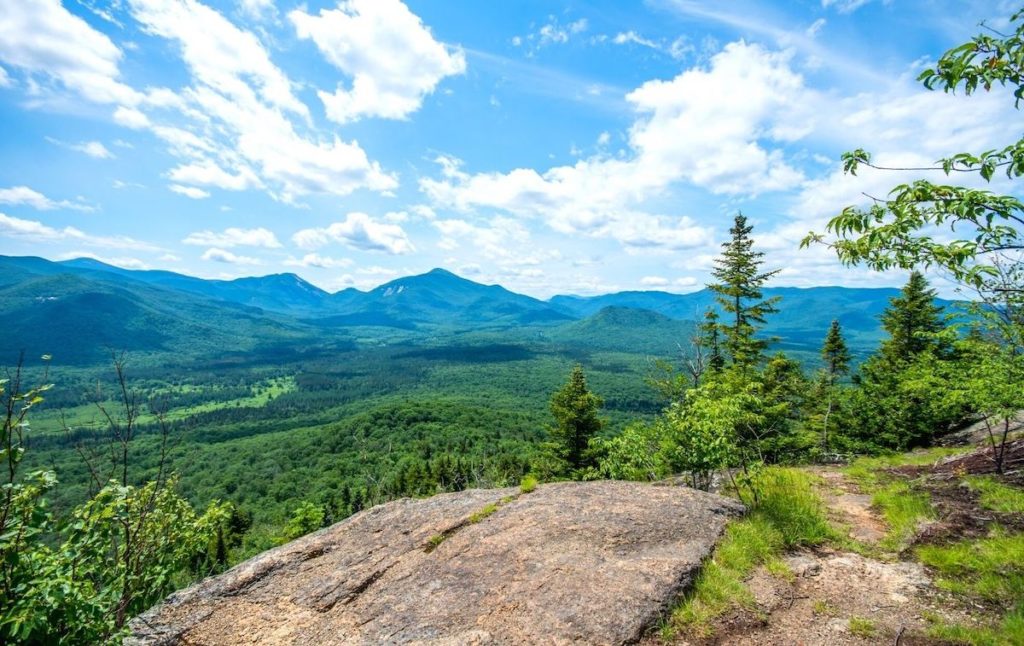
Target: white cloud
point(41, 37)
point(677, 49)
point(390, 55)
point(242, 118)
point(23, 195)
point(208, 173)
point(224, 256)
point(721, 128)
point(234, 237)
point(654, 281)
point(94, 149)
point(357, 231)
point(321, 262)
point(5, 80)
point(257, 9)
point(189, 191)
point(38, 232)
point(844, 6)
point(554, 32)
point(131, 118)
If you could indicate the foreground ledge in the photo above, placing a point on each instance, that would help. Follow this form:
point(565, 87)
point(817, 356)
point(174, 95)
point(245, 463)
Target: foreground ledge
point(572, 562)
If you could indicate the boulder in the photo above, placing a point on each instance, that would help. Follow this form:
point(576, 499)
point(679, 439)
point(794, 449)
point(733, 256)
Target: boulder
point(569, 563)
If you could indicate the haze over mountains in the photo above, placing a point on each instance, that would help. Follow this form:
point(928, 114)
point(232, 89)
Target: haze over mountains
point(77, 307)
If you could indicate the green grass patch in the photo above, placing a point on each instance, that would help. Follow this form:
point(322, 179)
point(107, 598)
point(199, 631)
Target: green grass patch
point(869, 472)
point(478, 516)
point(990, 569)
point(789, 514)
point(995, 495)
point(1008, 631)
point(903, 508)
point(863, 627)
point(528, 484)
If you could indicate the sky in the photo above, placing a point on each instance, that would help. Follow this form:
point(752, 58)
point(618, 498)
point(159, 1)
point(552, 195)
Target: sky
point(552, 147)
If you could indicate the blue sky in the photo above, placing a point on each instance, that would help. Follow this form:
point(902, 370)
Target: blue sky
point(552, 147)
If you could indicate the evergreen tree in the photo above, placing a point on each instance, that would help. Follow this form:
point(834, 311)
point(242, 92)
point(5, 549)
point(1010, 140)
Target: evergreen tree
point(835, 354)
point(575, 410)
point(738, 291)
point(911, 320)
point(709, 339)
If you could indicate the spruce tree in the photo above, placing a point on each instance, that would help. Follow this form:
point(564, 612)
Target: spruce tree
point(835, 354)
point(709, 340)
point(910, 320)
point(738, 291)
point(575, 410)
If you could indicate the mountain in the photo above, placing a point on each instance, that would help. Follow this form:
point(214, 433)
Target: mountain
point(276, 292)
point(802, 321)
point(79, 305)
point(78, 314)
point(615, 328)
point(439, 297)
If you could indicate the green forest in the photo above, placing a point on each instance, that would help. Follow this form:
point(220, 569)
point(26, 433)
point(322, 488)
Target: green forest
point(143, 451)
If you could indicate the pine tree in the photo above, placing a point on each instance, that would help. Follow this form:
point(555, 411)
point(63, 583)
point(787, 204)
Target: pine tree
point(575, 410)
point(910, 319)
point(738, 290)
point(709, 339)
point(835, 354)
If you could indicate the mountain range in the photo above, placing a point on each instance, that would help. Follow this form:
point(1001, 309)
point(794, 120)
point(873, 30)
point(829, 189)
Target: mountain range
point(79, 307)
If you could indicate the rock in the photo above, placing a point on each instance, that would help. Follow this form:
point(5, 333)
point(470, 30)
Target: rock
point(581, 563)
point(803, 565)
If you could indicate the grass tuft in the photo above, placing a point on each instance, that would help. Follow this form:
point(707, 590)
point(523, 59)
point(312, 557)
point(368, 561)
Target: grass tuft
point(476, 517)
point(991, 569)
point(528, 484)
point(904, 509)
point(789, 514)
point(995, 495)
point(863, 627)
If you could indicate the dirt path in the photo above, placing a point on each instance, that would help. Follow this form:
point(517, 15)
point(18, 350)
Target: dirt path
point(836, 598)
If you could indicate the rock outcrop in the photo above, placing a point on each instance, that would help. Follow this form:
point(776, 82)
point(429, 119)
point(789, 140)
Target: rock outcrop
point(584, 563)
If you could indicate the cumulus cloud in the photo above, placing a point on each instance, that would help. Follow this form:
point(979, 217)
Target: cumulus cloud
point(318, 261)
point(36, 231)
point(189, 191)
point(390, 55)
point(221, 255)
point(720, 127)
point(358, 231)
point(23, 195)
point(654, 281)
point(41, 37)
point(234, 237)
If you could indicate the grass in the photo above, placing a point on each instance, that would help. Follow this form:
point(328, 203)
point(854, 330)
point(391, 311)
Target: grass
point(434, 541)
point(862, 627)
point(478, 516)
point(995, 495)
point(870, 472)
point(990, 569)
point(788, 514)
point(823, 607)
point(903, 508)
point(1009, 631)
point(528, 484)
